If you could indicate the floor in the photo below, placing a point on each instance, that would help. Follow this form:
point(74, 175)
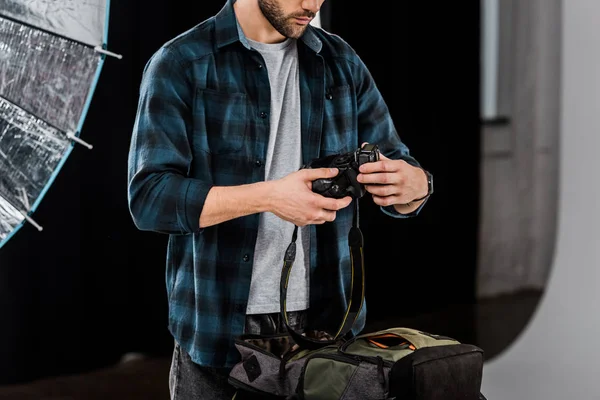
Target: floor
point(492, 325)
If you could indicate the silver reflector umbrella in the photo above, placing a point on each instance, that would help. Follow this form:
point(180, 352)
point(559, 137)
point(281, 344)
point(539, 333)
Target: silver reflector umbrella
point(51, 55)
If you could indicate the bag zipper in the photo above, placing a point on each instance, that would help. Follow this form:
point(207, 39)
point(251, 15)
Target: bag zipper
point(377, 360)
point(372, 359)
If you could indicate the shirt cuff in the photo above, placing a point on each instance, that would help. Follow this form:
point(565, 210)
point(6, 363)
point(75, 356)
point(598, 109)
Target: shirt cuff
point(391, 211)
point(194, 200)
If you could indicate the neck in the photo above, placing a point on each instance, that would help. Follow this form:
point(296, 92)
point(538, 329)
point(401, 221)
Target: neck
point(254, 24)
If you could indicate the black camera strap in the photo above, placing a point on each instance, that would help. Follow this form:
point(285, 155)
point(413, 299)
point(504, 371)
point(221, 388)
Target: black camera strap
point(357, 286)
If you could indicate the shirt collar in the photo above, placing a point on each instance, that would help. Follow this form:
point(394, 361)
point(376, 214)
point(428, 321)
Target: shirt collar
point(228, 30)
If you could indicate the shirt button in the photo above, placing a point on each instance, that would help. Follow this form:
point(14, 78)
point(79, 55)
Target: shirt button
point(259, 66)
point(258, 163)
point(329, 96)
point(263, 114)
point(246, 258)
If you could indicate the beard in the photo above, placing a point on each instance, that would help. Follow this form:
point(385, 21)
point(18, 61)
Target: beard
point(282, 23)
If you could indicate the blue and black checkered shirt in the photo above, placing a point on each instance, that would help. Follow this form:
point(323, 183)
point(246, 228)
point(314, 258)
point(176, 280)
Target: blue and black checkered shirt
point(203, 121)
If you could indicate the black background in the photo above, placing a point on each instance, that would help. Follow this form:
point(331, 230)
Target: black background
point(90, 287)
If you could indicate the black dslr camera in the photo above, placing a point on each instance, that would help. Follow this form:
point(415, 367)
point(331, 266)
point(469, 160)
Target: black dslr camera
point(345, 183)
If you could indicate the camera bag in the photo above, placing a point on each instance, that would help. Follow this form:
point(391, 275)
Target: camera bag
point(397, 363)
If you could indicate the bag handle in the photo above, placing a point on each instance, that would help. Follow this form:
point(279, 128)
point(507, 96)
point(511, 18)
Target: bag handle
point(357, 286)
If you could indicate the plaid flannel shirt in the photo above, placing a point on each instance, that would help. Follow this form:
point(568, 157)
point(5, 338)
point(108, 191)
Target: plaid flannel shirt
point(203, 121)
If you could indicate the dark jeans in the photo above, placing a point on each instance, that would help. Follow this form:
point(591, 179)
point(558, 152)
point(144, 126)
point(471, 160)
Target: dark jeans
point(190, 381)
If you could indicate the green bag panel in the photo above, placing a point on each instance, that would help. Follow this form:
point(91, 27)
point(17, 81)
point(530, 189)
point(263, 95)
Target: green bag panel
point(335, 377)
point(325, 378)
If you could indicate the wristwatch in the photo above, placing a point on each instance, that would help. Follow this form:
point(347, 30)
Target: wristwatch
point(429, 185)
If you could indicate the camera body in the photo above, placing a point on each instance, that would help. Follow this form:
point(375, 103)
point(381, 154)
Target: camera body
point(345, 183)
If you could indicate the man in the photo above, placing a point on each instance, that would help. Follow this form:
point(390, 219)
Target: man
point(228, 114)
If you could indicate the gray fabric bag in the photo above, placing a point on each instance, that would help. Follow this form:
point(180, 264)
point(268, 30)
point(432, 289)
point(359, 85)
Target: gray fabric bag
point(397, 363)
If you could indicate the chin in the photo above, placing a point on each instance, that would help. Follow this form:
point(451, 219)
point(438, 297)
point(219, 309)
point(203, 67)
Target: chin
point(296, 33)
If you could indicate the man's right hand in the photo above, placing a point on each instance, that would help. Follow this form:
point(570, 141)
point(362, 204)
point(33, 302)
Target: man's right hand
point(293, 200)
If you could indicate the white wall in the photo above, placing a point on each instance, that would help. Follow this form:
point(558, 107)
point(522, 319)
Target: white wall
point(519, 158)
point(557, 357)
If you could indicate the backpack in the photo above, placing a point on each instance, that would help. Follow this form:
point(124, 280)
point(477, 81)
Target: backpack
point(396, 363)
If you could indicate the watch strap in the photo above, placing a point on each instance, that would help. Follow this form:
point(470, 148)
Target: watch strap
point(429, 185)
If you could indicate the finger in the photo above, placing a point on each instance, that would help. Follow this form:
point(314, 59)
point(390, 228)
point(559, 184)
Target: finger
point(385, 200)
point(324, 216)
point(380, 178)
point(343, 202)
point(319, 173)
point(382, 190)
point(329, 216)
point(364, 144)
point(328, 203)
point(379, 166)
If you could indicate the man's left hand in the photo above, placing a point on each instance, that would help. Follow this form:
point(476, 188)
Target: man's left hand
point(394, 182)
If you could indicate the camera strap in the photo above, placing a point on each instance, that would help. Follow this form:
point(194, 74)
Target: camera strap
point(357, 286)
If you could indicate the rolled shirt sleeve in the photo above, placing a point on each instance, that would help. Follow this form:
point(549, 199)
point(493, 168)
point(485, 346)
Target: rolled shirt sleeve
point(161, 195)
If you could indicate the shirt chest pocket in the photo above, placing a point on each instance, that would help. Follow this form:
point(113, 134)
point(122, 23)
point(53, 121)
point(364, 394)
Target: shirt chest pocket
point(339, 122)
point(219, 121)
